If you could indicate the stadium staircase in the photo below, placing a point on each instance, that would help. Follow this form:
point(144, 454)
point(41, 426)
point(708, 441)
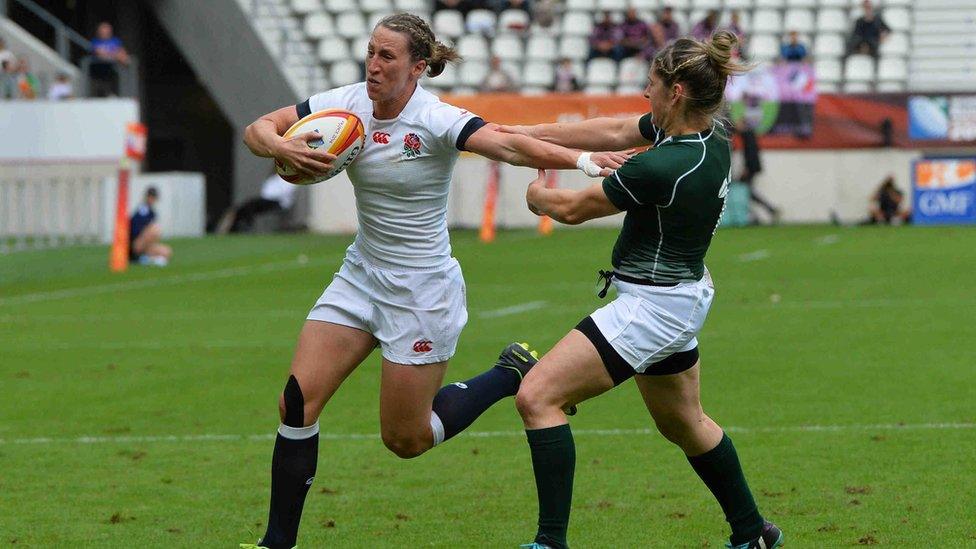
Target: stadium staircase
point(944, 54)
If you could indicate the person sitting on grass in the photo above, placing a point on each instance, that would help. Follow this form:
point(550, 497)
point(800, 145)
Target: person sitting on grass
point(145, 247)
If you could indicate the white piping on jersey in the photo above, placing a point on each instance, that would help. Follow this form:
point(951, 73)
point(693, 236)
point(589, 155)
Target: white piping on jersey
point(624, 187)
point(674, 192)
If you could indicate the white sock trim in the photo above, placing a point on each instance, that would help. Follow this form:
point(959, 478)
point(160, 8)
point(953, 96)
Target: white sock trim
point(436, 427)
point(298, 433)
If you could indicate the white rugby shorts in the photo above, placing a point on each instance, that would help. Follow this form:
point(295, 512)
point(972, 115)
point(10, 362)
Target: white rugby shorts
point(417, 315)
point(646, 324)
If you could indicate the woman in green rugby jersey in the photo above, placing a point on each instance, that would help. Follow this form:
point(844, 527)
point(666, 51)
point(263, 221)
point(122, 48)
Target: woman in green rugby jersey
point(673, 194)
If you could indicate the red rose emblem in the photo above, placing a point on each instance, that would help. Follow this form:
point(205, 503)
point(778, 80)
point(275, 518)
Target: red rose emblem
point(411, 145)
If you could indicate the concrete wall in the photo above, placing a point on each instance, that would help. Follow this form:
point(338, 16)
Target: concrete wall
point(43, 132)
point(229, 57)
point(808, 186)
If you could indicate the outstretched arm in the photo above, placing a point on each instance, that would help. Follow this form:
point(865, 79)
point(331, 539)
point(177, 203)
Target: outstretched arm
point(595, 134)
point(566, 205)
point(521, 150)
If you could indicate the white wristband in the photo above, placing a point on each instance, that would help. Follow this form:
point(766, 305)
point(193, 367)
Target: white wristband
point(587, 166)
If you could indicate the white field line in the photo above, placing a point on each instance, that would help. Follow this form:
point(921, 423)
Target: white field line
point(757, 255)
point(487, 434)
point(84, 291)
point(513, 310)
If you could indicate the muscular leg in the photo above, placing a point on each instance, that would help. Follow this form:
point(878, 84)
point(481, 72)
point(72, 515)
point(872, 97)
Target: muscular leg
point(406, 396)
point(673, 401)
point(326, 354)
point(569, 374)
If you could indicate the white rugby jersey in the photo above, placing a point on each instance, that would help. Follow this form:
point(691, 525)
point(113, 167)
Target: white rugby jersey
point(402, 176)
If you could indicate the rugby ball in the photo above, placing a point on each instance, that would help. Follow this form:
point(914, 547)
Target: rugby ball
point(342, 134)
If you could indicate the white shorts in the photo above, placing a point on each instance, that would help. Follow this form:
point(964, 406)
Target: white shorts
point(417, 315)
point(646, 324)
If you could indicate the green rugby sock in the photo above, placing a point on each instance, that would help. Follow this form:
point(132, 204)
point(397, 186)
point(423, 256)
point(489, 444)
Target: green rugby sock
point(554, 463)
point(719, 468)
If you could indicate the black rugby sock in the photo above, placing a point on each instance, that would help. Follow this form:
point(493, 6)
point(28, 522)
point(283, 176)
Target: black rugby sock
point(554, 464)
point(292, 470)
point(720, 470)
point(457, 405)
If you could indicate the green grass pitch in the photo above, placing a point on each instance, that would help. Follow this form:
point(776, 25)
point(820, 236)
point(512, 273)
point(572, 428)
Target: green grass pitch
point(137, 410)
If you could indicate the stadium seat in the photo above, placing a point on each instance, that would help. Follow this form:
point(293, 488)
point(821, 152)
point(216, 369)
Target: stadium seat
point(574, 47)
point(445, 80)
point(375, 18)
point(739, 4)
point(333, 49)
point(677, 4)
point(896, 44)
point(763, 47)
point(857, 87)
point(412, 6)
point(507, 47)
point(597, 90)
point(541, 48)
point(767, 21)
point(601, 72)
point(375, 6)
point(770, 4)
point(538, 74)
point(827, 70)
point(897, 3)
point(611, 5)
point(798, 19)
point(898, 19)
point(829, 45)
point(532, 90)
point(648, 5)
point(827, 87)
point(801, 3)
point(859, 68)
point(891, 87)
point(834, 3)
point(513, 20)
point(630, 89)
point(345, 72)
point(319, 25)
point(577, 23)
point(581, 5)
point(514, 69)
point(473, 46)
point(706, 4)
point(633, 72)
point(464, 90)
point(892, 69)
point(350, 24)
point(449, 23)
point(305, 7)
point(472, 73)
point(833, 20)
point(482, 21)
point(359, 47)
point(341, 6)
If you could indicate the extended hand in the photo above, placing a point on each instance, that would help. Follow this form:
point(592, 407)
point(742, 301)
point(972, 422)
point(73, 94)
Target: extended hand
point(610, 160)
point(307, 161)
point(537, 184)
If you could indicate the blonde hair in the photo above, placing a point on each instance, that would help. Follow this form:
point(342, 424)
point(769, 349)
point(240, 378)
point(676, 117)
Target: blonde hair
point(703, 67)
point(423, 44)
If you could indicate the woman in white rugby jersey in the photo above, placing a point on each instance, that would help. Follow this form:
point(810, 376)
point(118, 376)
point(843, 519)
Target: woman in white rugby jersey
point(398, 287)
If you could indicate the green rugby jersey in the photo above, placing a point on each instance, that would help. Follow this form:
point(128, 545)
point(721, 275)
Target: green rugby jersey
point(674, 194)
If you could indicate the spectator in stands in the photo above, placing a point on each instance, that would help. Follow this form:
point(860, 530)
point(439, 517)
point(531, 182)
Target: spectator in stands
point(544, 12)
point(703, 29)
point(145, 247)
point(8, 79)
point(463, 6)
point(27, 84)
point(498, 80)
point(5, 54)
point(735, 26)
point(503, 5)
point(667, 28)
point(605, 39)
point(61, 89)
point(793, 49)
point(869, 31)
point(566, 80)
point(635, 34)
point(887, 205)
point(277, 195)
point(107, 54)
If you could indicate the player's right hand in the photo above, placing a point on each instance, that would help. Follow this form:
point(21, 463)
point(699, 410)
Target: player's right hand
point(307, 161)
point(519, 130)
